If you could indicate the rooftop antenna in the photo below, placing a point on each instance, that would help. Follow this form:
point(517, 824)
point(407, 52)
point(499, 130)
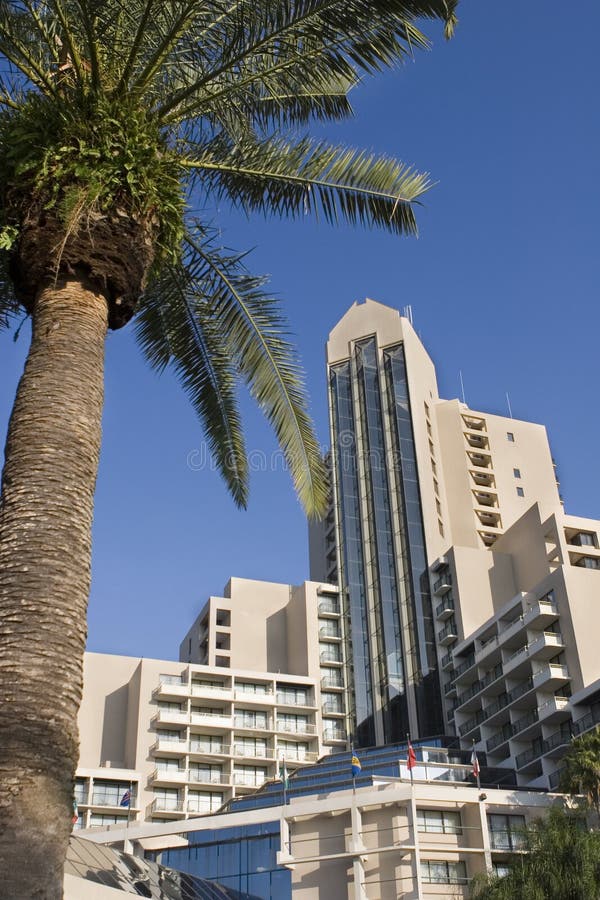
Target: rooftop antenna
point(462, 386)
point(509, 406)
point(408, 313)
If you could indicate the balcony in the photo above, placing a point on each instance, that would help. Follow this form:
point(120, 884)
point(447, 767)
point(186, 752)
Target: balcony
point(199, 777)
point(284, 699)
point(330, 708)
point(329, 608)
point(166, 806)
point(445, 609)
point(329, 682)
point(329, 634)
point(201, 749)
point(472, 723)
point(169, 775)
point(557, 743)
point(330, 658)
point(214, 692)
point(334, 734)
point(556, 709)
point(247, 723)
point(170, 717)
point(447, 661)
point(528, 760)
point(546, 645)
point(587, 722)
point(295, 727)
point(168, 688)
point(174, 748)
point(551, 676)
point(254, 752)
point(241, 779)
point(477, 440)
point(212, 720)
point(541, 613)
point(464, 666)
point(442, 584)
point(450, 689)
point(448, 634)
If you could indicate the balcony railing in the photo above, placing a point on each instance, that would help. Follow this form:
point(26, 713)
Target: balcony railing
point(289, 700)
point(254, 724)
point(166, 805)
point(446, 606)
point(560, 738)
point(332, 633)
point(465, 665)
point(334, 734)
point(448, 634)
point(330, 707)
point(216, 750)
point(328, 656)
point(257, 752)
point(240, 778)
point(523, 759)
point(329, 682)
point(327, 607)
point(295, 727)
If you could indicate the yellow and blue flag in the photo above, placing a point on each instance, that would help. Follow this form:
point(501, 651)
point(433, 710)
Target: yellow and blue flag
point(356, 766)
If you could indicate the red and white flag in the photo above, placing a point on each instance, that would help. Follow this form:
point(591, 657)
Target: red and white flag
point(475, 764)
point(412, 757)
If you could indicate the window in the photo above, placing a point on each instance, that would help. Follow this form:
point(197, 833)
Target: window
point(223, 618)
point(520, 492)
point(248, 687)
point(251, 776)
point(101, 820)
point(109, 793)
point(81, 790)
point(206, 772)
point(588, 562)
point(289, 694)
point(289, 722)
point(292, 749)
point(205, 743)
point(166, 799)
point(204, 801)
point(510, 437)
point(438, 871)
point(506, 832)
point(500, 869)
point(517, 473)
point(171, 736)
point(250, 746)
point(169, 765)
point(439, 821)
point(245, 718)
point(171, 707)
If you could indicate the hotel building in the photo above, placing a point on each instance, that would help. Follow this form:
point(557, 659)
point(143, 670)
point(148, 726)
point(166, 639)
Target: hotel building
point(259, 681)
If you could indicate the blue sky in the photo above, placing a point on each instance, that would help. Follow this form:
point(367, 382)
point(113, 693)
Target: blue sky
point(503, 282)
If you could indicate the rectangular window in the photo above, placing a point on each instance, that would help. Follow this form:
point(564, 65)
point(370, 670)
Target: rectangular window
point(169, 765)
point(171, 707)
point(206, 772)
point(81, 790)
point(251, 688)
point(517, 473)
point(250, 746)
point(204, 801)
point(204, 743)
point(510, 437)
point(292, 749)
point(101, 820)
point(439, 821)
point(291, 695)
point(438, 871)
point(171, 736)
point(109, 793)
point(251, 776)
point(166, 799)
point(520, 492)
point(245, 718)
point(289, 722)
point(506, 832)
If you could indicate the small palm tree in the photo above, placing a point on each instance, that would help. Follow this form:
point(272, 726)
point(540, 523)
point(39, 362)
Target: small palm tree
point(121, 126)
point(561, 862)
point(581, 768)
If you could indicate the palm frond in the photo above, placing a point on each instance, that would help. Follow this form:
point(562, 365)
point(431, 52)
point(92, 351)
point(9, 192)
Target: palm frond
point(313, 177)
point(253, 332)
point(175, 326)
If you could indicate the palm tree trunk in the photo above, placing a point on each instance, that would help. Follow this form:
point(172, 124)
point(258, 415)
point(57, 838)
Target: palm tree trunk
point(48, 484)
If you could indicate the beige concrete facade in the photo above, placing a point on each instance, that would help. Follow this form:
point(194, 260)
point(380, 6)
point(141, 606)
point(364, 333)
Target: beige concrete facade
point(186, 737)
point(390, 839)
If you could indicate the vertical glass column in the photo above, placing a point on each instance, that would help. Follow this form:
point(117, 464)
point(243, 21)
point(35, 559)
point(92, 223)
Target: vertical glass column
point(352, 581)
point(420, 615)
point(388, 651)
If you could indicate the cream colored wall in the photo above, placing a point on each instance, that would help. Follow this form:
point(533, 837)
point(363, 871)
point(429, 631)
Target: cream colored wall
point(583, 643)
point(526, 545)
point(483, 581)
point(105, 709)
point(454, 466)
point(258, 625)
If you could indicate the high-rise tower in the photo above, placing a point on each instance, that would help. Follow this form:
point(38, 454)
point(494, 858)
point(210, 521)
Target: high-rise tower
point(380, 379)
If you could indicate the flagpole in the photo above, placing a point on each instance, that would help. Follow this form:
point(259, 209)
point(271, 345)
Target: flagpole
point(410, 768)
point(475, 763)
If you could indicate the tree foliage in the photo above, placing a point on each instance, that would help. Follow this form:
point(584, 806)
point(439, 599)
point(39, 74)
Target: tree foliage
point(561, 861)
point(581, 768)
point(116, 118)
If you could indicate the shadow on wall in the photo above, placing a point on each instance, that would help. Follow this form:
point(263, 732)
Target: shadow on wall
point(277, 642)
point(114, 728)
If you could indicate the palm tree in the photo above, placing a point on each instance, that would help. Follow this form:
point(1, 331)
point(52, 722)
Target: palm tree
point(581, 768)
point(561, 862)
point(121, 125)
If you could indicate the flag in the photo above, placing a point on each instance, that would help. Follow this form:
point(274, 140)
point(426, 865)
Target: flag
point(356, 766)
point(283, 773)
point(126, 799)
point(75, 813)
point(412, 757)
point(475, 764)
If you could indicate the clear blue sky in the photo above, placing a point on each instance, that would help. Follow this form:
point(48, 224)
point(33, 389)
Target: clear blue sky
point(503, 282)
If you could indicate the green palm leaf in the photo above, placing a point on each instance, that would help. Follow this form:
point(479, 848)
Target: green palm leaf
point(294, 179)
point(252, 329)
point(176, 327)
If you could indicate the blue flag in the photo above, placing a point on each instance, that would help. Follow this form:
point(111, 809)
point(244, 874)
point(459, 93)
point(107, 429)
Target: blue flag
point(356, 766)
point(126, 799)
